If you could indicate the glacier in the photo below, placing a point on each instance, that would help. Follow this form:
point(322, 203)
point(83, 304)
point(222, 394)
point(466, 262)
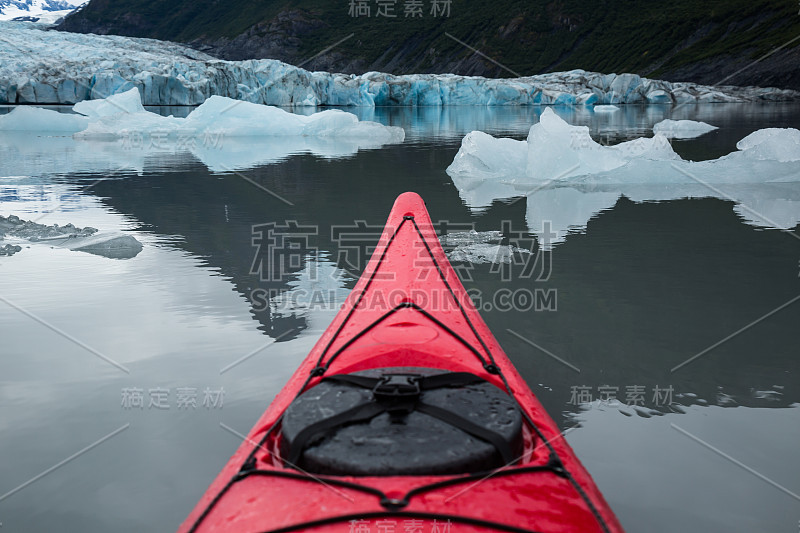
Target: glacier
point(51, 67)
point(567, 178)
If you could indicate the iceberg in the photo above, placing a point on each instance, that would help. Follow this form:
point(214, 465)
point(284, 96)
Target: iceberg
point(36, 119)
point(567, 178)
point(126, 102)
point(772, 144)
point(486, 253)
point(223, 133)
point(229, 118)
point(466, 238)
point(554, 150)
point(123, 114)
point(52, 67)
point(682, 129)
point(114, 245)
point(479, 247)
point(605, 108)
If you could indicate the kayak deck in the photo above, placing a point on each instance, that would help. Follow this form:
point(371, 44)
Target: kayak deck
point(409, 309)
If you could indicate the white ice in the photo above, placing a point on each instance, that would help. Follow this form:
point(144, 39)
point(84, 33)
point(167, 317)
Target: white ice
point(123, 115)
point(568, 178)
point(682, 129)
point(605, 108)
point(479, 247)
point(485, 253)
point(36, 119)
point(234, 118)
point(126, 102)
point(461, 238)
point(772, 144)
point(554, 150)
point(222, 132)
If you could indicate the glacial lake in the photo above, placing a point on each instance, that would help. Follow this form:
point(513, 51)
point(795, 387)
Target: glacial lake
point(678, 318)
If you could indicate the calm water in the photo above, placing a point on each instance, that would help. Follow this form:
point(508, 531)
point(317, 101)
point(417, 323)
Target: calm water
point(640, 287)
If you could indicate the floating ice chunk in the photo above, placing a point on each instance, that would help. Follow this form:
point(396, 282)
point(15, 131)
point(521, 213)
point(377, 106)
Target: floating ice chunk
point(460, 238)
point(24, 118)
point(127, 102)
point(479, 247)
point(656, 148)
point(554, 150)
point(227, 117)
point(777, 144)
point(128, 126)
point(682, 129)
point(482, 155)
point(113, 245)
point(485, 253)
point(557, 150)
point(605, 108)
point(567, 178)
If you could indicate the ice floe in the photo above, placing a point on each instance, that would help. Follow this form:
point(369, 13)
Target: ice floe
point(114, 245)
point(772, 144)
point(223, 133)
point(682, 129)
point(554, 150)
point(38, 120)
point(568, 178)
point(486, 253)
point(123, 115)
point(479, 247)
point(58, 67)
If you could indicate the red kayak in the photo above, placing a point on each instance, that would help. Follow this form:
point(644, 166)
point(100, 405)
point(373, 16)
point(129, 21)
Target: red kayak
point(406, 417)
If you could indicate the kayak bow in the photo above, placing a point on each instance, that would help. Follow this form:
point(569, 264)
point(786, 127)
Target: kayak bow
point(407, 414)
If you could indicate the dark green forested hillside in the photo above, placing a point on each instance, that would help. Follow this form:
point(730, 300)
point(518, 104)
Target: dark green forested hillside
point(682, 39)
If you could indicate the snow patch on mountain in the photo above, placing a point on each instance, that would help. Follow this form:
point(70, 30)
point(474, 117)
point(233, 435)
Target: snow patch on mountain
point(41, 11)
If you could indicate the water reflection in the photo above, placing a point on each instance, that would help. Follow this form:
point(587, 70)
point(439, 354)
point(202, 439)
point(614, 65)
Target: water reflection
point(645, 287)
point(565, 210)
point(642, 286)
point(34, 154)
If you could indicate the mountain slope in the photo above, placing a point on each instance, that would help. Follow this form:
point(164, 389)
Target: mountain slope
point(703, 42)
